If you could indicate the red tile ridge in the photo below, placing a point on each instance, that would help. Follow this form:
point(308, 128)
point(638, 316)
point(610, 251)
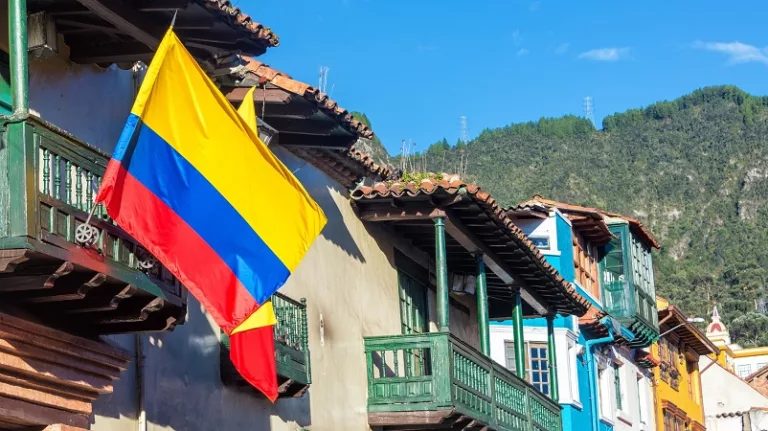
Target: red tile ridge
point(235, 16)
point(328, 105)
point(632, 221)
point(453, 184)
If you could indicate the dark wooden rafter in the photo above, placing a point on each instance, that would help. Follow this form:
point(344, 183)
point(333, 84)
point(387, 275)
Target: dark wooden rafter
point(127, 20)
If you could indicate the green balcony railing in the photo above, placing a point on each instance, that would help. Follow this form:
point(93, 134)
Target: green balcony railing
point(48, 185)
point(438, 372)
point(291, 348)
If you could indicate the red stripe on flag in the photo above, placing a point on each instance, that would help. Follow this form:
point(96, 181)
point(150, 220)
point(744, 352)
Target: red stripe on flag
point(176, 245)
point(253, 354)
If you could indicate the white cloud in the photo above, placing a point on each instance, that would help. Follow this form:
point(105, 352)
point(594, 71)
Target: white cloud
point(606, 54)
point(522, 51)
point(562, 48)
point(737, 52)
point(516, 38)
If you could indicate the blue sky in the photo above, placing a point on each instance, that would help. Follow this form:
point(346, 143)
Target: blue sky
point(415, 66)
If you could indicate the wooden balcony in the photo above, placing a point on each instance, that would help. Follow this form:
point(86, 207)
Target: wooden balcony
point(291, 349)
point(436, 381)
point(629, 293)
point(48, 182)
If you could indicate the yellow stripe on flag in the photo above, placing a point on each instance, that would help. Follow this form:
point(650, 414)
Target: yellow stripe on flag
point(204, 128)
point(247, 111)
point(263, 316)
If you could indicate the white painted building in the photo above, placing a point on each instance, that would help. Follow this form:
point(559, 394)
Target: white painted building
point(726, 397)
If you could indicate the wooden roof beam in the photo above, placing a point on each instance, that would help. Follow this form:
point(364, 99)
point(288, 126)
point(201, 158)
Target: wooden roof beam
point(456, 229)
point(127, 20)
point(413, 212)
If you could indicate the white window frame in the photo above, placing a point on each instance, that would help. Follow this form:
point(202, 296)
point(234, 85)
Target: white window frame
point(606, 397)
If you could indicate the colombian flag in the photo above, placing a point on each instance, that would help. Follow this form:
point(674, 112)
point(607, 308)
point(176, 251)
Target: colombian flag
point(193, 183)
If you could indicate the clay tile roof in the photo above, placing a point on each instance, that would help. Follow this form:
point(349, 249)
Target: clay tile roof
point(634, 224)
point(282, 80)
point(453, 185)
point(760, 372)
point(346, 167)
point(227, 12)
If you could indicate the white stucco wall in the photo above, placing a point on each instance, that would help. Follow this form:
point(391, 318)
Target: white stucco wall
point(725, 393)
point(637, 410)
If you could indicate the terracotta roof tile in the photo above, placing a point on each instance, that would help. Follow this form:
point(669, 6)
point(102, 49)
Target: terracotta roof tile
point(346, 167)
point(310, 93)
point(635, 224)
point(452, 184)
point(236, 19)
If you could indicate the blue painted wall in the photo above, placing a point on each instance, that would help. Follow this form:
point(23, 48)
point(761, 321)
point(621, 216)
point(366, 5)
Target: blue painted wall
point(574, 418)
point(565, 245)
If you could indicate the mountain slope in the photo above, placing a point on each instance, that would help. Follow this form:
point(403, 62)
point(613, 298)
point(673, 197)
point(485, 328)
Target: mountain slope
point(695, 170)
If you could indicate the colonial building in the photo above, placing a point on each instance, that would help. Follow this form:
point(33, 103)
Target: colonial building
point(384, 324)
point(742, 361)
point(603, 375)
point(678, 393)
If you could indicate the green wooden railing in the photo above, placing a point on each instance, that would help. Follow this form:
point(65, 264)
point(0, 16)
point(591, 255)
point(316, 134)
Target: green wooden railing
point(58, 190)
point(437, 371)
point(291, 342)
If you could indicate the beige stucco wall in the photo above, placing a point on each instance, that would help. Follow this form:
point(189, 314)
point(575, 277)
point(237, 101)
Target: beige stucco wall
point(348, 278)
point(350, 284)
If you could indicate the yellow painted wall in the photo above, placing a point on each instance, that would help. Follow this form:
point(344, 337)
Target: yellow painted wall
point(689, 401)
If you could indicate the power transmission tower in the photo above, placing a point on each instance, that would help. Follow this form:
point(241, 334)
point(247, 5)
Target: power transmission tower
point(322, 84)
point(589, 110)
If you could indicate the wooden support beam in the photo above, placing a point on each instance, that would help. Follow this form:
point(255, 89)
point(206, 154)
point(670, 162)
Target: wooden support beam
point(456, 229)
point(426, 212)
point(126, 19)
point(161, 5)
point(117, 52)
point(315, 141)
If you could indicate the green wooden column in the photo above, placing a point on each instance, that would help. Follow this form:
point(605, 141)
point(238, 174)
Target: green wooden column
point(554, 390)
point(441, 274)
point(517, 332)
point(481, 291)
point(17, 164)
point(17, 35)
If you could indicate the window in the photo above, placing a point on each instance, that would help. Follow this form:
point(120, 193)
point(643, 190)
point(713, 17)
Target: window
point(509, 355)
point(413, 320)
point(745, 370)
point(617, 386)
point(541, 242)
point(539, 366)
point(668, 420)
point(585, 265)
point(413, 304)
point(573, 350)
point(605, 385)
point(761, 365)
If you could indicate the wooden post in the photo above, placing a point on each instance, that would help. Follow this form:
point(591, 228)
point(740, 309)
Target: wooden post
point(481, 291)
point(441, 274)
point(18, 182)
point(554, 390)
point(517, 331)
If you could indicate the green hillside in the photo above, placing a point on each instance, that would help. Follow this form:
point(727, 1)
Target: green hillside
point(695, 170)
